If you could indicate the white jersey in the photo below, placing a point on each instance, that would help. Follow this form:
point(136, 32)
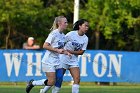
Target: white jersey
point(74, 42)
point(56, 40)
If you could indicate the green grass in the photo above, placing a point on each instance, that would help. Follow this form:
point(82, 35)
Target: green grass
point(84, 88)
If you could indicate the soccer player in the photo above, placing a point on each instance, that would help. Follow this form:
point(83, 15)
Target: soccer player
point(76, 44)
point(54, 45)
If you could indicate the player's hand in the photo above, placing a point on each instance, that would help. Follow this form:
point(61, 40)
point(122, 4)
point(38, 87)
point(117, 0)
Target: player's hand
point(67, 53)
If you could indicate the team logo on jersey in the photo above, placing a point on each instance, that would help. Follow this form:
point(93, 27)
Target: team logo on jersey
point(77, 46)
point(61, 45)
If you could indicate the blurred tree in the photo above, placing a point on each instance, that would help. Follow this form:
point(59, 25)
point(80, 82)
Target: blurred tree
point(116, 20)
point(114, 24)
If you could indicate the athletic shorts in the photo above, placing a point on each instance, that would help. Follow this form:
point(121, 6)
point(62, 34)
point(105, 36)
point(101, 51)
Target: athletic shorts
point(67, 66)
point(50, 67)
point(68, 62)
point(51, 64)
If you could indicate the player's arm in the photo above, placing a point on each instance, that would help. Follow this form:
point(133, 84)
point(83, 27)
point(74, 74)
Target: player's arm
point(50, 48)
point(67, 53)
point(79, 52)
point(48, 41)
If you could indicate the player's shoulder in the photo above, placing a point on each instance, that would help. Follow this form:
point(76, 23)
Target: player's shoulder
point(85, 37)
point(71, 33)
point(54, 32)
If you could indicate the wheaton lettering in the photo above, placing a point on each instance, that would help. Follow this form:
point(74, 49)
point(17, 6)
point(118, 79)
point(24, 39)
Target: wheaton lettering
point(101, 64)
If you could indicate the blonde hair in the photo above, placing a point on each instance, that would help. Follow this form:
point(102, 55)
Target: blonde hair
point(56, 21)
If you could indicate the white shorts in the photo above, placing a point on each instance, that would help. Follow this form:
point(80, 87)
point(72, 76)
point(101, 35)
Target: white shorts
point(50, 64)
point(67, 66)
point(68, 62)
point(50, 67)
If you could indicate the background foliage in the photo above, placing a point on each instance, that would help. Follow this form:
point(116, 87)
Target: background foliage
point(114, 24)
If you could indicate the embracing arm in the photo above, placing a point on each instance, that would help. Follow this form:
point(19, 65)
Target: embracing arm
point(50, 48)
point(80, 52)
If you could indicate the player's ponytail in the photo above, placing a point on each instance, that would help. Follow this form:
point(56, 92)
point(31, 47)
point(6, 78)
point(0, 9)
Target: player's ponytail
point(55, 23)
point(78, 23)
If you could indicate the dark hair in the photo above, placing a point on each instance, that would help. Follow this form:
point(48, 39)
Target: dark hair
point(78, 23)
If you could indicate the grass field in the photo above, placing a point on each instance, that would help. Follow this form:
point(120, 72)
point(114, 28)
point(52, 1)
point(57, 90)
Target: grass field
point(84, 88)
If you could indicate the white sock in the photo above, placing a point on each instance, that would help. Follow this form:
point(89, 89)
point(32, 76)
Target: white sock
point(55, 89)
point(75, 88)
point(46, 88)
point(38, 82)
